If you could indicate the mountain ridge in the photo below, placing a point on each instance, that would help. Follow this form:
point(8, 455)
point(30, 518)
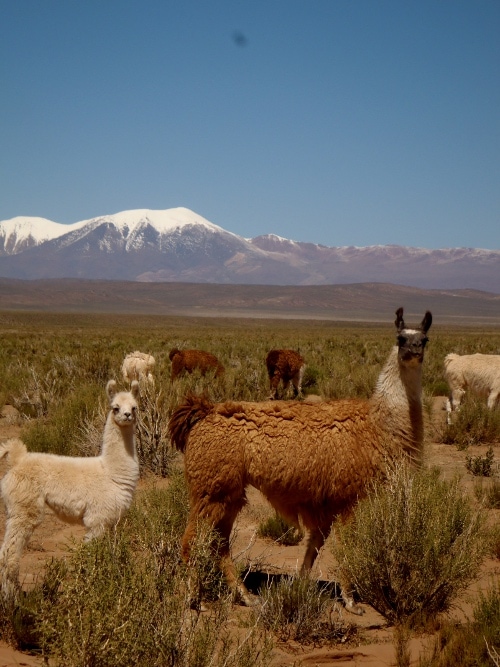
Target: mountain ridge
point(178, 245)
point(349, 302)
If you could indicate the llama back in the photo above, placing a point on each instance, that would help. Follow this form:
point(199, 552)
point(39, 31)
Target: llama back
point(480, 372)
point(245, 441)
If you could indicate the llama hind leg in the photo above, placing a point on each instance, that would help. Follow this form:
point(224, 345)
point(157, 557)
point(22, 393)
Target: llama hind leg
point(223, 528)
point(274, 381)
point(297, 382)
point(493, 398)
point(315, 541)
point(222, 520)
point(18, 532)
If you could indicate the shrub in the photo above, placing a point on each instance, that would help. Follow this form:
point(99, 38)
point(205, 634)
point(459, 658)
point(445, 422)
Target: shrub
point(126, 599)
point(153, 444)
point(473, 424)
point(298, 608)
point(279, 530)
point(481, 466)
point(474, 644)
point(414, 543)
point(488, 493)
point(59, 434)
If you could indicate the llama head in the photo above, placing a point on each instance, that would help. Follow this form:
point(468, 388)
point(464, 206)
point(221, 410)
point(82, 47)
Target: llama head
point(411, 342)
point(123, 403)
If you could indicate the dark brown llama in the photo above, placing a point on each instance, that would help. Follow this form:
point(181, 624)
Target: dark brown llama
point(285, 366)
point(187, 361)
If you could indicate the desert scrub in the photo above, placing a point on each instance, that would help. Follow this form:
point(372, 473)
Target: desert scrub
point(58, 432)
point(277, 529)
point(415, 542)
point(480, 466)
point(126, 599)
point(473, 424)
point(488, 493)
point(298, 608)
point(473, 644)
point(153, 443)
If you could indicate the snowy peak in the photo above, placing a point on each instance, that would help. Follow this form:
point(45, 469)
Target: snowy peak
point(162, 220)
point(22, 232)
point(178, 245)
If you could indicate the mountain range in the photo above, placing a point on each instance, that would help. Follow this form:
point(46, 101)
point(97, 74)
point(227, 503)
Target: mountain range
point(178, 245)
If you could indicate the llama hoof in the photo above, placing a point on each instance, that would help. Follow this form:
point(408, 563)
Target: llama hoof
point(354, 608)
point(246, 599)
point(196, 605)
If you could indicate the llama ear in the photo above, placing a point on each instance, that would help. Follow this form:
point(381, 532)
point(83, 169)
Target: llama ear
point(400, 323)
point(134, 388)
point(426, 322)
point(111, 389)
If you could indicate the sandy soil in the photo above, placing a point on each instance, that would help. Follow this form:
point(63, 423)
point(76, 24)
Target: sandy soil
point(375, 645)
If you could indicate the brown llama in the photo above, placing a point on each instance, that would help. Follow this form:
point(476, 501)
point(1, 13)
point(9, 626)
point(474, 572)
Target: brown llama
point(187, 361)
point(312, 461)
point(285, 366)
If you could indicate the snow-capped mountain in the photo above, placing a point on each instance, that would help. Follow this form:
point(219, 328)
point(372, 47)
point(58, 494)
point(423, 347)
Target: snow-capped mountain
point(178, 245)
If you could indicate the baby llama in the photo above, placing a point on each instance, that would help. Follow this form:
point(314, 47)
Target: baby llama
point(312, 461)
point(92, 491)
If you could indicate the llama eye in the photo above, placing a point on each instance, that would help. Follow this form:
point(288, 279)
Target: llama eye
point(115, 409)
point(402, 340)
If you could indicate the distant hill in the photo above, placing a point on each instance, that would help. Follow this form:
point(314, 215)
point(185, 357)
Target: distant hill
point(360, 301)
point(178, 245)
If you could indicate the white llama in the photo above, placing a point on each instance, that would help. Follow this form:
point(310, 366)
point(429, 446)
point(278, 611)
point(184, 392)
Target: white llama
point(479, 373)
point(138, 366)
point(92, 491)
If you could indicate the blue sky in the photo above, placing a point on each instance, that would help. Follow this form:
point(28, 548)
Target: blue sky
point(342, 122)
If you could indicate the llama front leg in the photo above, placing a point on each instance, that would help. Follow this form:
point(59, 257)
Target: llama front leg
point(346, 592)
point(315, 541)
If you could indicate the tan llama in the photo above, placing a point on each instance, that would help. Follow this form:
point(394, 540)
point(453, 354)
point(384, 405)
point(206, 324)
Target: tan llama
point(312, 461)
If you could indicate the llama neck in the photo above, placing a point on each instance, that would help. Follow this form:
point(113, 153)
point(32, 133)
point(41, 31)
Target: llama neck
point(397, 406)
point(118, 447)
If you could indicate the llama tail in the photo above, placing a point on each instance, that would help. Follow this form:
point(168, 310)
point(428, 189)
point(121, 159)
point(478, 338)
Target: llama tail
point(185, 416)
point(14, 448)
point(450, 357)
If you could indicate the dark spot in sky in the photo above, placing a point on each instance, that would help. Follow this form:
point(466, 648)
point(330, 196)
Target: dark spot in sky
point(239, 38)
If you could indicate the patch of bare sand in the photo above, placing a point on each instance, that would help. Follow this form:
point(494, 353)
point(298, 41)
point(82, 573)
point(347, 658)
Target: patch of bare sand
point(53, 539)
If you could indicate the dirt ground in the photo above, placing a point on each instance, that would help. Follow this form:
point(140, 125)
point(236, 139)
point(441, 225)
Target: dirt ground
point(375, 646)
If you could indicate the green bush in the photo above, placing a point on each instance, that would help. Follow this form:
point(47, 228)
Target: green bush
point(414, 544)
point(473, 424)
point(126, 599)
point(297, 608)
point(474, 644)
point(279, 530)
point(480, 466)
